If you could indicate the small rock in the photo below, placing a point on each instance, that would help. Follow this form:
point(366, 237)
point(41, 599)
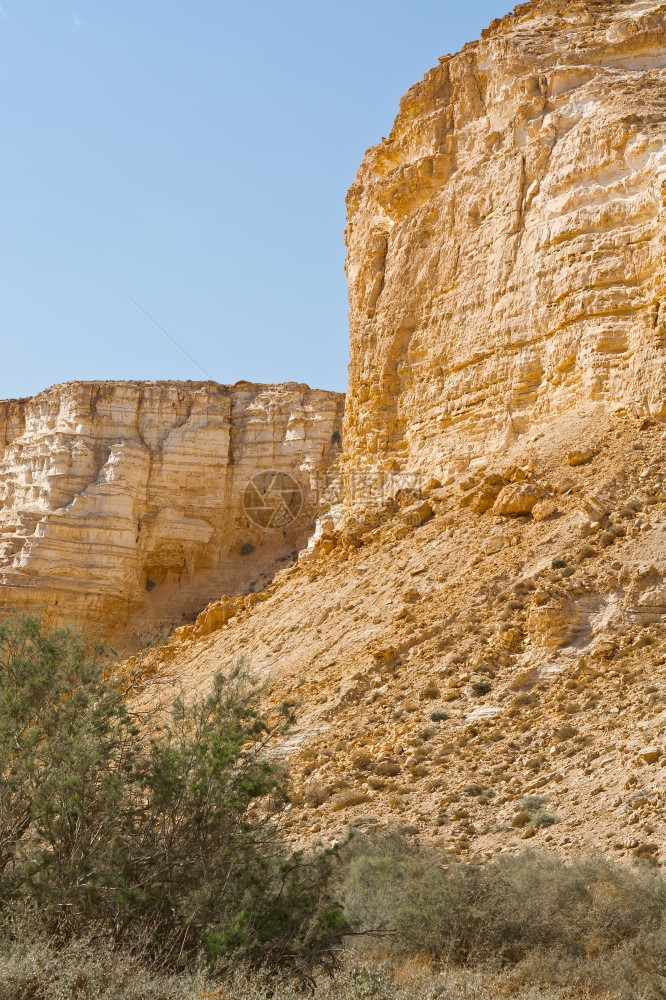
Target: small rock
point(385, 655)
point(417, 514)
point(544, 509)
point(214, 617)
point(516, 474)
point(596, 507)
point(576, 458)
point(620, 32)
point(451, 695)
point(487, 493)
point(492, 545)
point(650, 755)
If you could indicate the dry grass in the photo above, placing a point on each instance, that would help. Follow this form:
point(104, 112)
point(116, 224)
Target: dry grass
point(32, 971)
point(345, 800)
point(545, 977)
point(33, 968)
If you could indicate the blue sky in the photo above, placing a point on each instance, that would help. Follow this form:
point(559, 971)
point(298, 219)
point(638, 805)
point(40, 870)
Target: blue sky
point(195, 156)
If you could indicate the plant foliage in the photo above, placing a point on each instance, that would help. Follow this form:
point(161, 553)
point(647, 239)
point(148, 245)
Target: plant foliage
point(159, 838)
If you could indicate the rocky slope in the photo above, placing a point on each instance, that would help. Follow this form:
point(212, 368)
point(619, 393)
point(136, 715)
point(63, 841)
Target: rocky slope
point(506, 241)
point(121, 504)
point(480, 674)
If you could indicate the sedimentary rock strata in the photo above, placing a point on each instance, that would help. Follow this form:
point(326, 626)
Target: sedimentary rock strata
point(506, 241)
point(121, 504)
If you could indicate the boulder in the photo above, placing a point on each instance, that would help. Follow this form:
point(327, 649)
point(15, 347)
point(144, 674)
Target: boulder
point(417, 513)
point(519, 499)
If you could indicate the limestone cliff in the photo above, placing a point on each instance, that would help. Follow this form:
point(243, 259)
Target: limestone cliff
point(496, 627)
point(506, 242)
point(121, 503)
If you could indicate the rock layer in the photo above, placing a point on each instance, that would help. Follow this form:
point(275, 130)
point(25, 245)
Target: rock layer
point(121, 503)
point(506, 242)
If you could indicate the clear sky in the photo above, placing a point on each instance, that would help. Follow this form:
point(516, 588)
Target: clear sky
point(195, 155)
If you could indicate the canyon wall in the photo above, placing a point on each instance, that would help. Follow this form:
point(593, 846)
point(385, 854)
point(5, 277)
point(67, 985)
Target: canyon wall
point(127, 504)
point(496, 644)
point(506, 242)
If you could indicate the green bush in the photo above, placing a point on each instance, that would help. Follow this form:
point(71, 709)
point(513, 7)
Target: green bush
point(160, 839)
point(503, 911)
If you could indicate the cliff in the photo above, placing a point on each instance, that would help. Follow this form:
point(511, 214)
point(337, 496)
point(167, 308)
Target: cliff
point(482, 617)
point(506, 241)
point(122, 504)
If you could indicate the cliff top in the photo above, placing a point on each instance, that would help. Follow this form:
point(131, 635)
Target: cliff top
point(188, 385)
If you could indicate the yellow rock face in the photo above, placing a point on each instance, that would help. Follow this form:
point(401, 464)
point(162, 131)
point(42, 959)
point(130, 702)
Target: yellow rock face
point(506, 242)
point(479, 627)
point(122, 503)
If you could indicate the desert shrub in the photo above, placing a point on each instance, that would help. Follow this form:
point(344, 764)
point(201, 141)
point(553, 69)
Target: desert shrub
point(349, 798)
point(34, 966)
point(318, 793)
point(387, 769)
point(542, 818)
point(82, 971)
point(533, 802)
point(479, 791)
point(564, 733)
point(60, 724)
point(505, 911)
point(161, 841)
